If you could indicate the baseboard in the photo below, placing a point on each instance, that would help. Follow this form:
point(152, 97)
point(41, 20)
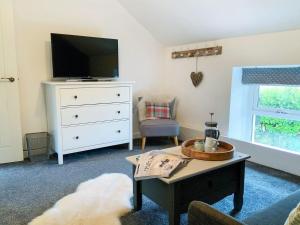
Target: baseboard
point(188, 133)
point(25, 154)
point(136, 135)
point(281, 160)
point(270, 157)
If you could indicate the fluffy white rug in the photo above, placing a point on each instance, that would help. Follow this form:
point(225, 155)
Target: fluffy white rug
point(100, 201)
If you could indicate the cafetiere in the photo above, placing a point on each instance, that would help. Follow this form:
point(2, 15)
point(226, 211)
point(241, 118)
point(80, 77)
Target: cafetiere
point(211, 128)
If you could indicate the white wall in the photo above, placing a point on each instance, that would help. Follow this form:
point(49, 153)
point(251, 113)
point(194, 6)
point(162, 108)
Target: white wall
point(140, 56)
point(213, 94)
point(142, 59)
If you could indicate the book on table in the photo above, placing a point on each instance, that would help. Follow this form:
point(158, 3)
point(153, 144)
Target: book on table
point(157, 164)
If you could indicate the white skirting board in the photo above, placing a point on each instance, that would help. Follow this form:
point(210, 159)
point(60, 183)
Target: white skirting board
point(274, 158)
point(136, 135)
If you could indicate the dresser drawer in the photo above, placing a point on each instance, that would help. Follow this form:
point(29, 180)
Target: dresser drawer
point(94, 113)
point(93, 134)
point(86, 96)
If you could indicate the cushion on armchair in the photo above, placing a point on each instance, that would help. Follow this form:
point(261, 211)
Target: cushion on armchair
point(159, 127)
point(141, 106)
point(157, 110)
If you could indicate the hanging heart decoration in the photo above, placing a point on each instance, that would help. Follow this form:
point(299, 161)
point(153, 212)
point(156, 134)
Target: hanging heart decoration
point(196, 78)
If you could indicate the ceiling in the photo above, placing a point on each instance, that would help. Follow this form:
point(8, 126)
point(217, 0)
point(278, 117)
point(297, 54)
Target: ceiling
point(175, 22)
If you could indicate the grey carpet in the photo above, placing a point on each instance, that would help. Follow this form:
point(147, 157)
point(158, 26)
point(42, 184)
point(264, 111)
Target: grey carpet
point(28, 189)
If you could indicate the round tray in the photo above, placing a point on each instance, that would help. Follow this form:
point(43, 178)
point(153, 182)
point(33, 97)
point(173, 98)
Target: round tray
point(224, 152)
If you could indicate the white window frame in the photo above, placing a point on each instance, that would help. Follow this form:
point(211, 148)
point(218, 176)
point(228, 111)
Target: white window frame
point(272, 112)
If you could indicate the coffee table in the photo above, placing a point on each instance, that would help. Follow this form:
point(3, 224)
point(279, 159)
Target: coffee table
point(207, 181)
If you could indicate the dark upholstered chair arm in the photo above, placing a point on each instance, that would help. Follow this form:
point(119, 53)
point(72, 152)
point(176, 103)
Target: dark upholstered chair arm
point(203, 214)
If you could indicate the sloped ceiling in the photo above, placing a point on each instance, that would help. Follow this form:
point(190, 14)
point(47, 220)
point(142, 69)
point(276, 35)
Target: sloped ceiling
point(175, 22)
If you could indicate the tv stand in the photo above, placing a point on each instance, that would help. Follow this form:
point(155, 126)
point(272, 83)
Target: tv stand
point(88, 115)
point(89, 80)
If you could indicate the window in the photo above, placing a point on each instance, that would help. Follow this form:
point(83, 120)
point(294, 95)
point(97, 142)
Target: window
point(276, 116)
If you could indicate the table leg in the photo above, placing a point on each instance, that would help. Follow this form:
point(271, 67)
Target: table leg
point(174, 218)
point(137, 192)
point(239, 193)
point(174, 214)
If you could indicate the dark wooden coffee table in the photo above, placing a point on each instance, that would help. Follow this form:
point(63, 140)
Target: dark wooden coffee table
point(207, 181)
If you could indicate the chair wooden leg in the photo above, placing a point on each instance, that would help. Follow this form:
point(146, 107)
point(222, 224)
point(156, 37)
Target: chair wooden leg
point(143, 142)
point(176, 140)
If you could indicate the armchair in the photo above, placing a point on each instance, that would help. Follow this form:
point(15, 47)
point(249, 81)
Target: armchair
point(157, 127)
point(200, 213)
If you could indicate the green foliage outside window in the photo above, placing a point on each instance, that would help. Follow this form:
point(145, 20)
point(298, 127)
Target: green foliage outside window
point(279, 98)
point(276, 132)
point(278, 125)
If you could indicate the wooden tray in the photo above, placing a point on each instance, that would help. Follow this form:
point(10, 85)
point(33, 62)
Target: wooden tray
point(224, 152)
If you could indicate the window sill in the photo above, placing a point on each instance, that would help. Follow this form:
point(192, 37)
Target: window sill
point(275, 148)
point(267, 147)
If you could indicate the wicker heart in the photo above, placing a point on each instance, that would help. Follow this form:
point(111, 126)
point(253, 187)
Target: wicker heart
point(196, 78)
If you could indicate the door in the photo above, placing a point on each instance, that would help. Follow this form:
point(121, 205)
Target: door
point(10, 125)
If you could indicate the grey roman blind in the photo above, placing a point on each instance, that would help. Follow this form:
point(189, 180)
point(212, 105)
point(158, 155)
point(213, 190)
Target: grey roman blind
point(283, 76)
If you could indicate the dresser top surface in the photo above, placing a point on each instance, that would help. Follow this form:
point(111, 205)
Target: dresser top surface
point(56, 83)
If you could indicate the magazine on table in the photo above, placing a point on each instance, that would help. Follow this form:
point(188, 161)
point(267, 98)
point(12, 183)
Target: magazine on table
point(157, 164)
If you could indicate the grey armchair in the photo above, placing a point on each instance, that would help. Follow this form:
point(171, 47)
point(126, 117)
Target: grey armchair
point(200, 213)
point(158, 127)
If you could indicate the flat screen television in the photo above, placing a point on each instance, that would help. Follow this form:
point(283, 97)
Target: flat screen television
point(81, 57)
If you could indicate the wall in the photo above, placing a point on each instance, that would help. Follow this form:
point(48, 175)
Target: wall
point(140, 54)
point(142, 59)
point(213, 94)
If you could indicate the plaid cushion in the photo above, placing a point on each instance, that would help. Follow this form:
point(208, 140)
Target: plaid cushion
point(157, 110)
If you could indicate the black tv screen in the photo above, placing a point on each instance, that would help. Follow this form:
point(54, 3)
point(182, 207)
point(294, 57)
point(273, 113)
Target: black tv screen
point(84, 57)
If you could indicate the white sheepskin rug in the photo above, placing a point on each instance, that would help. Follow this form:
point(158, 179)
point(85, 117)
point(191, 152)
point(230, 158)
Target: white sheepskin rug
point(100, 201)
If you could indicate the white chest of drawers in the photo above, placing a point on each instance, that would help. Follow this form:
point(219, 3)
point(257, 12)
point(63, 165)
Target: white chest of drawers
point(88, 115)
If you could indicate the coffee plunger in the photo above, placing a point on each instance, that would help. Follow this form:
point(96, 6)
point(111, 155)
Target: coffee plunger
point(211, 128)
